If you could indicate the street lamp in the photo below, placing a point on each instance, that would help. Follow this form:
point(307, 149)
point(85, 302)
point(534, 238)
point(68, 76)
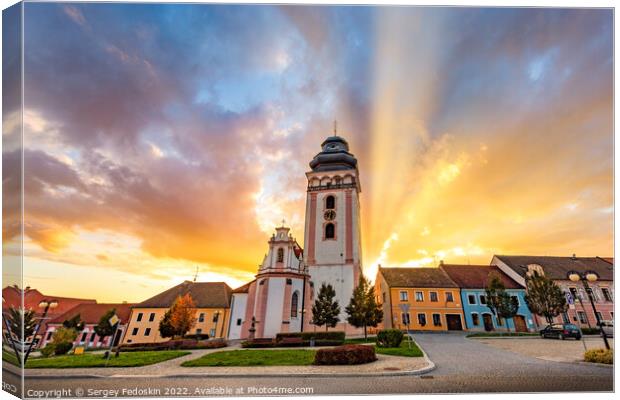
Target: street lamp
point(586, 277)
point(45, 305)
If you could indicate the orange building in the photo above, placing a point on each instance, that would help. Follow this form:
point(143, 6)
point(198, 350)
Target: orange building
point(423, 299)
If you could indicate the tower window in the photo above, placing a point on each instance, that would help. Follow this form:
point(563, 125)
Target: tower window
point(330, 232)
point(280, 254)
point(294, 303)
point(330, 202)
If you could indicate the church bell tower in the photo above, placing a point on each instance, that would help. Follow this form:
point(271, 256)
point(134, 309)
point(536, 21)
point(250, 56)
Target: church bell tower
point(332, 231)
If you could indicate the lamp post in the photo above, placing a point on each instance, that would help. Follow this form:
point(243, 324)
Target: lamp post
point(45, 305)
point(586, 277)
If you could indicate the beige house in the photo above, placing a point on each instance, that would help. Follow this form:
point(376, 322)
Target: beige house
point(212, 301)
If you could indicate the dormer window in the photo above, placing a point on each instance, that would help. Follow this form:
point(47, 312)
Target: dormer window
point(280, 255)
point(330, 202)
point(534, 268)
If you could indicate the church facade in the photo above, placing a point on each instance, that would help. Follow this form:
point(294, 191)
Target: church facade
point(280, 298)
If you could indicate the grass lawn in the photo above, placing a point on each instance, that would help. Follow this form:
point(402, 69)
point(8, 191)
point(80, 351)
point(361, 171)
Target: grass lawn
point(9, 357)
point(500, 334)
point(402, 351)
point(130, 359)
point(249, 358)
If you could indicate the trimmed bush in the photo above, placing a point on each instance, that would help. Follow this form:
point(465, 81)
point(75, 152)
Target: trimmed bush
point(257, 344)
point(62, 348)
point(48, 350)
point(333, 338)
point(350, 354)
point(389, 338)
point(179, 344)
point(602, 356)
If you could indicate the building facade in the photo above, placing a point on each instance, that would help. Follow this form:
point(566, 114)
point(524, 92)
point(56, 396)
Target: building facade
point(472, 280)
point(212, 300)
point(580, 311)
point(422, 299)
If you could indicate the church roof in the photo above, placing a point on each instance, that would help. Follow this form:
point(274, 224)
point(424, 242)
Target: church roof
point(417, 277)
point(334, 156)
point(204, 294)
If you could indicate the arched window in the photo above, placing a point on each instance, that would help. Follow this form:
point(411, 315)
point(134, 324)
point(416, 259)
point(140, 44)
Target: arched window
point(294, 304)
point(330, 202)
point(329, 231)
point(280, 254)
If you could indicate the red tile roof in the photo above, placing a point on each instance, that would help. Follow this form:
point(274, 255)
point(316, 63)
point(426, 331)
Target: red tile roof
point(91, 313)
point(244, 289)
point(477, 276)
point(558, 267)
point(204, 294)
point(417, 277)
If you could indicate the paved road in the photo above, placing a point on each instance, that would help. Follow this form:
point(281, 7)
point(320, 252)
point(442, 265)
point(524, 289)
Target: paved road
point(463, 366)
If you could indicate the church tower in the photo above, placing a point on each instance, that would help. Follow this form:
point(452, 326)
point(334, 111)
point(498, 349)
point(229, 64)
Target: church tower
point(332, 231)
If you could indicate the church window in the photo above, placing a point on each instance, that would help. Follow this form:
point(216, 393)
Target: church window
point(329, 231)
point(330, 202)
point(294, 303)
point(289, 281)
point(280, 254)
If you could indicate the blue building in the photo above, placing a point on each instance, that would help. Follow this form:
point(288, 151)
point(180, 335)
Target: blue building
point(473, 279)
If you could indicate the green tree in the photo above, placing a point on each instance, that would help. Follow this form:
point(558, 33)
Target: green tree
point(363, 310)
point(325, 310)
point(544, 297)
point(103, 329)
point(19, 319)
point(501, 303)
point(74, 323)
point(166, 330)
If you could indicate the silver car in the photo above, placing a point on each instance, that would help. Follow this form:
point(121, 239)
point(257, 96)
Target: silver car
point(608, 328)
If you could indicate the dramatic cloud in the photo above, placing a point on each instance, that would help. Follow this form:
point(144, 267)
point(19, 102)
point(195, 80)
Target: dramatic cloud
point(159, 137)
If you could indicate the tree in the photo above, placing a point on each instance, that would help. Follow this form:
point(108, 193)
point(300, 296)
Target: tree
point(182, 315)
point(166, 330)
point(325, 310)
point(363, 309)
point(501, 303)
point(74, 323)
point(544, 297)
point(103, 329)
point(19, 319)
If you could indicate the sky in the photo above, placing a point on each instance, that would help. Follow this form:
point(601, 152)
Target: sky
point(161, 140)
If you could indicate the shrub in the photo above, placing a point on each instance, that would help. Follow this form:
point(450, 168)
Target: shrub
point(258, 344)
point(389, 338)
point(180, 344)
point(62, 348)
point(602, 356)
point(335, 337)
point(48, 350)
point(349, 354)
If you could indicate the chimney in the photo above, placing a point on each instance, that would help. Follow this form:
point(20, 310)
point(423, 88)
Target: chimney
point(574, 256)
point(440, 262)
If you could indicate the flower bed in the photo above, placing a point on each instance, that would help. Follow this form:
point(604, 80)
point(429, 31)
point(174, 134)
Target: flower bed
point(602, 356)
point(349, 354)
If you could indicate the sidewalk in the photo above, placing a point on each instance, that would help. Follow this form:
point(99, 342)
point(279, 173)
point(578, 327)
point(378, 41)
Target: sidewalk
point(384, 366)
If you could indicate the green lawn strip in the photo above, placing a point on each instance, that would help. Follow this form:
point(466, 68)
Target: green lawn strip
point(501, 334)
point(248, 358)
point(130, 359)
point(9, 357)
point(402, 351)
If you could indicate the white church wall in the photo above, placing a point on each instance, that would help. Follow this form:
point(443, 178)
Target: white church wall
point(340, 277)
point(239, 302)
point(273, 314)
point(298, 285)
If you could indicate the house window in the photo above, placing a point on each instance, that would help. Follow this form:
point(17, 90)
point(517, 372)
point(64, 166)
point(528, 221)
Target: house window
point(294, 302)
point(198, 332)
point(471, 298)
point(280, 254)
point(216, 316)
point(147, 331)
point(449, 297)
point(134, 331)
point(475, 318)
point(330, 232)
point(434, 296)
point(139, 318)
point(599, 316)
point(83, 339)
point(330, 202)
point(261, 282)
point(212, 333)
point(582, 317)
point(606, 294)
point(483, 299)
point(201, 317)
point(92, 337)
point(422, 319)
point(403, 295)
point(437, 319)
point(419, 296)
point(289, 281)
point(152, 317)
point(239, 321)
point(49, 335)
point(573, 293)
point(515, 300)
point(405, 318)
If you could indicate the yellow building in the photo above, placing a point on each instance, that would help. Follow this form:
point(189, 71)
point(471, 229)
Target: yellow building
point(212, 301)
point(423, 299)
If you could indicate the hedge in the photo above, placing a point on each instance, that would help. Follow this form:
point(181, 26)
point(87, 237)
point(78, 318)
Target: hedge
point(249, 344)
point(389, 338)
point(602, 356)
point(179, 344)
point(349, 354)
point(334, 336)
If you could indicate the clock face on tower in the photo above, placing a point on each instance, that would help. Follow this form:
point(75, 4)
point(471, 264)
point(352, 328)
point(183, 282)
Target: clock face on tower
point(329, 215)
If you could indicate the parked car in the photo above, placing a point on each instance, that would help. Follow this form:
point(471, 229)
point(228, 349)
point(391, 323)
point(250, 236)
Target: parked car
point(608, 328)
point(561, 331)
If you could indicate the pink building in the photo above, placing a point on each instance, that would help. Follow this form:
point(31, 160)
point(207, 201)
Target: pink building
point(90, 314)
point(580, 310)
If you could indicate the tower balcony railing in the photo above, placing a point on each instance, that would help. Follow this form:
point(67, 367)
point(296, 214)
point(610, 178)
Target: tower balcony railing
point(332, 186)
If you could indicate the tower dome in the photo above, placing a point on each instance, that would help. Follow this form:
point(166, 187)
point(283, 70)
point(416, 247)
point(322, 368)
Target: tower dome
point(334, 156)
